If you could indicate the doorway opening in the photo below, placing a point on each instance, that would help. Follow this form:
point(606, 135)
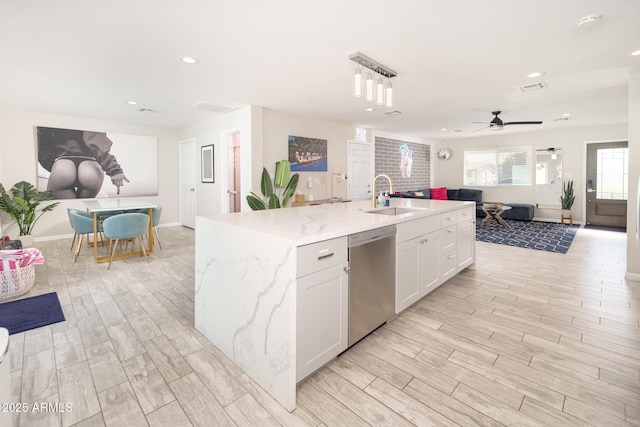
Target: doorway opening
point(233, 171)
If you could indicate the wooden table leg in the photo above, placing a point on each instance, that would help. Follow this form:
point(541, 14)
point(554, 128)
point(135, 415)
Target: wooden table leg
point(150, 239)
point(95, 236)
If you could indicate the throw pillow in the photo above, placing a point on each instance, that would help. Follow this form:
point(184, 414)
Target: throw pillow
point(439, 193)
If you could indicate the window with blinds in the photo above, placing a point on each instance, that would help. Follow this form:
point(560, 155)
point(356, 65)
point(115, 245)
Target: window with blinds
point(498, 166)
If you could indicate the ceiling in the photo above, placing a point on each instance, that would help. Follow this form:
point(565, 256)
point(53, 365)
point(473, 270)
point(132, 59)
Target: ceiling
point(456, 60)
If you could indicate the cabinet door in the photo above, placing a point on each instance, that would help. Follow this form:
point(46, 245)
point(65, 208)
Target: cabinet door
point(407, 273)
point(465, 244)
point(322, 315)
point(429, 263)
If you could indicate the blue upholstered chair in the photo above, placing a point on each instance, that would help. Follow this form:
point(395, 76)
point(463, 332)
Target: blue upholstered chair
point(155, 213)
point(82, 223)
point(126, 226)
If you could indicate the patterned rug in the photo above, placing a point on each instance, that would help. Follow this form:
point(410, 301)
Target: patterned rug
point(544, 236)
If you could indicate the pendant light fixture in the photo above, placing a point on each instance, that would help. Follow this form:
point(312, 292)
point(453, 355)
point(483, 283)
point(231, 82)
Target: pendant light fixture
point(369, 86)
point(357, 83)
point(378, 92)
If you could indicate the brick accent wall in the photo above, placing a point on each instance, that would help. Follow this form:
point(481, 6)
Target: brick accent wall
point(389, 160)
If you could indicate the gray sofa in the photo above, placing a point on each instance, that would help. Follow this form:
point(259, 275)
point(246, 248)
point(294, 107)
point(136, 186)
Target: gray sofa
point(518, 211)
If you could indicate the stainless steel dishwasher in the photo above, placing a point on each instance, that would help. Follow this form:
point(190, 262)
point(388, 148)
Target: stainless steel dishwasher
point(372, 275)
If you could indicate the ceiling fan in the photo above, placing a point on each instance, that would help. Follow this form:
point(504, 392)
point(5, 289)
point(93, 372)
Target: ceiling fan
point(498, 124)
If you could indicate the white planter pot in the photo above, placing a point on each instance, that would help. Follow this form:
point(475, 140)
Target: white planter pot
point(27, 241)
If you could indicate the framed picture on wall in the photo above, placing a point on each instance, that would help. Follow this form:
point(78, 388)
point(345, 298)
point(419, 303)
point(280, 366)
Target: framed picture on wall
point(87, 164)
point(208, 174)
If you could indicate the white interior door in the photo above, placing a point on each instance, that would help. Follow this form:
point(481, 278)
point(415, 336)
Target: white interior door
point(359, 170)
point(187, 154)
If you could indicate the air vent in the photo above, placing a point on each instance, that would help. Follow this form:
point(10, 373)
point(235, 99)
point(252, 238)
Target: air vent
point(147, 110)
point(210, 107)
point(561, 119)
point(532, 86)
point(393, 113)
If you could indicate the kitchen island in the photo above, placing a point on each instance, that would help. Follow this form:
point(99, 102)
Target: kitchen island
point(249, 267)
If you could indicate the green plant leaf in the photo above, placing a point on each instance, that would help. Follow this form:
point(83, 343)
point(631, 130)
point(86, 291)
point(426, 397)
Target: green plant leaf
point(283, 171)
point(255, 203)
point(274, 202)
point(291, 188)
point(265, 183)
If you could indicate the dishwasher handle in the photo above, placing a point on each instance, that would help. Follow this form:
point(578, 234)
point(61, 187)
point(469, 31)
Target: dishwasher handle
point(372, 235)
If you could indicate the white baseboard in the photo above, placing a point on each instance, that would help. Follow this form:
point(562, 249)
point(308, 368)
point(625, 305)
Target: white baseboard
point(632, 276)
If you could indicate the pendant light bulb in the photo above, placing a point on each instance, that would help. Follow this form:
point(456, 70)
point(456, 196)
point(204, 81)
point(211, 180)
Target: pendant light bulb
point(380, 92)
point(369, 87)
point(357, 83)
point(389, 95)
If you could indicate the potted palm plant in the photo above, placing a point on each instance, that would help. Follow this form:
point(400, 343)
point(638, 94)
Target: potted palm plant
point(270, 189)
point(23, 205)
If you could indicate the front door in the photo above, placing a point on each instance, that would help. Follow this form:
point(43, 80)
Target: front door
point(607, 184)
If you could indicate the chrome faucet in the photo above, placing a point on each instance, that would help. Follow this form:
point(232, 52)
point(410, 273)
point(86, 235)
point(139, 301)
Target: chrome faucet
point(373, 186)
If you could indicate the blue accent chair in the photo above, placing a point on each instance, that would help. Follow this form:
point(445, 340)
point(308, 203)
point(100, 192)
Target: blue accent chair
point(126, 226)
point(82, 223)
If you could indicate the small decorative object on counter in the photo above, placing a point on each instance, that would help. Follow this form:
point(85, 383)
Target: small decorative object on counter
point(381, 199)
point(387, 199)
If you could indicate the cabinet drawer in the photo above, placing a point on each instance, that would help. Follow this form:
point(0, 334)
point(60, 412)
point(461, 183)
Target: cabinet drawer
point(447, 239)
point(466, 214)
point(448, 265)
point(321, 255)
point(448, 218)
point(412, 229)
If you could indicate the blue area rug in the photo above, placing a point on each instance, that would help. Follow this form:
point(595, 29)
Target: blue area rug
point(30, 313)
point(544, 236)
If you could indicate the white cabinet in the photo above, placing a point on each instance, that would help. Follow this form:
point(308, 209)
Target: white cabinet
point(465, 238)
point(322, 305)
point(431, 250)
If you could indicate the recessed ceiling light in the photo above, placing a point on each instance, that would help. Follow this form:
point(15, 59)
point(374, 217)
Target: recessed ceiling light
point(189, 60)
point(589, 20)
point(370, 109)
point(535, 74)
point(566, 115)
point(132, 102)
point(635, 53)
point(443, 130)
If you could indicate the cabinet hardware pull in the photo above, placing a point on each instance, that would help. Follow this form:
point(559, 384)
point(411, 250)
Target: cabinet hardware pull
point(346, 269)
point(324, 254)
point(450, 230)
point(450, 256)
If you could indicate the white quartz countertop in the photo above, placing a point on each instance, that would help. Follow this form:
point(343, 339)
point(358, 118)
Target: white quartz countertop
point(309, 224)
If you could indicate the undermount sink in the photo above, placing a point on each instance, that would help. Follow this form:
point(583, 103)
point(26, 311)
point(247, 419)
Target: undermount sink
point(395, 211)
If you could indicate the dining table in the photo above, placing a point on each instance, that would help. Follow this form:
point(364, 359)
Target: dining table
point(101, 208)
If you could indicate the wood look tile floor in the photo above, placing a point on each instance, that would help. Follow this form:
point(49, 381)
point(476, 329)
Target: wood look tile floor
point(524, 338)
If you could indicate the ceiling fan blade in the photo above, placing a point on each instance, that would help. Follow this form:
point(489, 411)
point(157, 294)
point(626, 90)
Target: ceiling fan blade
point(486, 123)
point(523, 123)
point(483, 128)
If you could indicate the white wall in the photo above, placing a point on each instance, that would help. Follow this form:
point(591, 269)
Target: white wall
point(277, 128)
point(18, 162)
point(212, 198)
point(448, 173)
point(633, 240)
